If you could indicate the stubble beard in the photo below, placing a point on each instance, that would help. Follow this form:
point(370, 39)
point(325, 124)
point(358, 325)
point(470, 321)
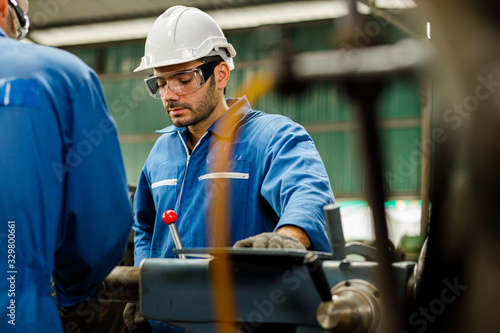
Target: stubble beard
point(200, 111)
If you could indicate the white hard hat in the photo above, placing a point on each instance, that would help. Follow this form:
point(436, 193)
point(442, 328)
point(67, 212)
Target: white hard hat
point(183, 34)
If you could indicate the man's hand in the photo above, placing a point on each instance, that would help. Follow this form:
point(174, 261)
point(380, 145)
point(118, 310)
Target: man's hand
point(286, 237)
point(295, 232)
point(134, 320)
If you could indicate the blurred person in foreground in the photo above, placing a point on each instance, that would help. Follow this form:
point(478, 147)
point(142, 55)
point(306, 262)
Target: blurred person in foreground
point(65, 212)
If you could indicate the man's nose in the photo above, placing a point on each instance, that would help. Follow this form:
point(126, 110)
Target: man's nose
point(169, 95)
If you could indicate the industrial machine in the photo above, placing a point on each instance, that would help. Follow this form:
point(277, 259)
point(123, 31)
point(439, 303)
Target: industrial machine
point(268, 290)
point(272, 290)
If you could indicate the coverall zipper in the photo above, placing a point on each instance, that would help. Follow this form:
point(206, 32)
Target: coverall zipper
point(178, 203)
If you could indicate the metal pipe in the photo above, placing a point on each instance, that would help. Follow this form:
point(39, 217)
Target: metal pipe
point(355, 306)
point(335, 231)
point(391, 20)
point(425, 159)
point(365, 96)
point(177, 239)
point(121, 285)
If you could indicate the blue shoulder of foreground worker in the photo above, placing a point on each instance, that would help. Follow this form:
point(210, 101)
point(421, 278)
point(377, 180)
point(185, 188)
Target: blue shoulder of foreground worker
point(64, 194)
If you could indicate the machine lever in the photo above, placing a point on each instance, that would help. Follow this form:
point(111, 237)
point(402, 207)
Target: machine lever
point(335, 231)
point(170, 217)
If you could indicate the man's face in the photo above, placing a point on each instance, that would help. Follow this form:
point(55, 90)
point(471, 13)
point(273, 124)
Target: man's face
point(191, 109)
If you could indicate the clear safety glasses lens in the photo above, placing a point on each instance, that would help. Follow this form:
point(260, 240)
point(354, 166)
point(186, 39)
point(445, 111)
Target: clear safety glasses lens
point(181, 83)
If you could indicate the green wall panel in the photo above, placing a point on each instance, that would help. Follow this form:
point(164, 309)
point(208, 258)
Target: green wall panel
point(343, 157)
point(400, 147)
point(320, 102)
point(268, 41)
point(134, 156)
point(327, 102)
point(312, 37)
point(137, 115)
point(255, 44)
point(88, 55)
point(340, 154)
point(122, 58)
point(400, 99)
point(134, 110)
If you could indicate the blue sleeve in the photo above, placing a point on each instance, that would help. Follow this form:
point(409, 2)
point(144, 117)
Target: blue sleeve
point(97, 211)
point(145, 214)
point(296, 184)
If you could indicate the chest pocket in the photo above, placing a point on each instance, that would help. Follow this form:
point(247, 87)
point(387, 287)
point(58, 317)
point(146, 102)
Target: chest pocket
point(225, 175)
point(164, 186)
point(234, 183)
point(20, 92)
point(233, 174)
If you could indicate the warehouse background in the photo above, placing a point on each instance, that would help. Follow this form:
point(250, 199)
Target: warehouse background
point(109, 36)
point(322, 108)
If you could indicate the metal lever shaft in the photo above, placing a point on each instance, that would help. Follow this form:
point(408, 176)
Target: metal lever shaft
point(170, 217)
point(335, 231)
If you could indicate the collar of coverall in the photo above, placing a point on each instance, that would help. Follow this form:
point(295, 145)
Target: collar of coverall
point(3, 33)
point(238, 109)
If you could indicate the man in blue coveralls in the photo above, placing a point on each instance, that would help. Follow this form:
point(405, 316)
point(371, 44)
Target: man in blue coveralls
point(65, 212)
point(277, 179)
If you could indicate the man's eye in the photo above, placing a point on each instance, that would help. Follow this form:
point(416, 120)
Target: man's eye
point(161, 83)
point(183, 78)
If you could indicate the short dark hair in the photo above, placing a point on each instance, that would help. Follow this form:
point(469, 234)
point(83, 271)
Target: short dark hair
point(217, 58)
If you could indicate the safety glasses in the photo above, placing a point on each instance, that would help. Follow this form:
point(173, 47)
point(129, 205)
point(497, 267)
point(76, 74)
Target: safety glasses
point(182, 82)
point(23, 21)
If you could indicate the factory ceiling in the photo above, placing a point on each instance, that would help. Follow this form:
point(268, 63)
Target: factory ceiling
point(74, 22)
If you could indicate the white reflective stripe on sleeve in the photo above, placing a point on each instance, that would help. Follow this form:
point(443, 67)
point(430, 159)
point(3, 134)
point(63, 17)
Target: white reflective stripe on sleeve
point(166, 182)
point(6, 97)
point(235, 175)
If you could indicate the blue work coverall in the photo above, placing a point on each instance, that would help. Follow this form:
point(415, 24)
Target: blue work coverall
point(276, 178)
point(65, 212)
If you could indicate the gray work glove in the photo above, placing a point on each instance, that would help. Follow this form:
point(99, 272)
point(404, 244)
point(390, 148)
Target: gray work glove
point(133, 319)
point(271, 240)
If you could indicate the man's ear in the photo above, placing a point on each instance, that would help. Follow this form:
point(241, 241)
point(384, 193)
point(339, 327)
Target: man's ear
point(222, 74)
point(4, 8)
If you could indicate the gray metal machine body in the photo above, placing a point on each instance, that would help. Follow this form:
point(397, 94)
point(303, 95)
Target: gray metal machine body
point(270, 287)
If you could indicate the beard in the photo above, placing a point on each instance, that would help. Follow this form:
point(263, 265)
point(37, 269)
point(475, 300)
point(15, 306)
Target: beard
point(200, 111)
